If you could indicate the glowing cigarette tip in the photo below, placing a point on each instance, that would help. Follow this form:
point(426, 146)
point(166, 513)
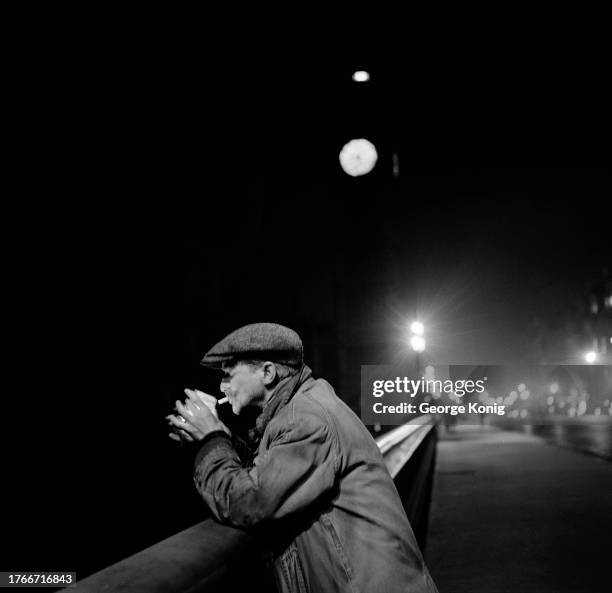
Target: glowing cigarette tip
point(223, 400)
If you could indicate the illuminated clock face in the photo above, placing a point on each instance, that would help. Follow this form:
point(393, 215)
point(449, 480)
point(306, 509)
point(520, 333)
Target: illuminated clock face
point(358, 157)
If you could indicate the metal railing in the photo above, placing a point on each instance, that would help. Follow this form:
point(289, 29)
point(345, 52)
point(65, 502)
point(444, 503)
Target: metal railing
point(214, 557)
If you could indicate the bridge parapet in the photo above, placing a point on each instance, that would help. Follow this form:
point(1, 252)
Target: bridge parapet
point(213, 557)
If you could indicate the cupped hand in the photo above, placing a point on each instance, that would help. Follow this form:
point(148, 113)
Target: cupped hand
point(196, 418)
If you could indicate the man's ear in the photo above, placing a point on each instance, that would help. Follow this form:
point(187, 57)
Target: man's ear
point(269, 373)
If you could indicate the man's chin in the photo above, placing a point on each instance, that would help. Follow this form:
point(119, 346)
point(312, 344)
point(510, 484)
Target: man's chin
point(247, 413)
point(239, 409)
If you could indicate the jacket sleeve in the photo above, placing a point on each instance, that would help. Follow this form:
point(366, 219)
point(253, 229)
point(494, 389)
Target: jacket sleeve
point(300, 465)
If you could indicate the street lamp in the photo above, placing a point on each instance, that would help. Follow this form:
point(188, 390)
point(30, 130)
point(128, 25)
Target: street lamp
point(417, 328)
point(361, 76)
point(590, 357)
point(417, 343)
point(358, 157)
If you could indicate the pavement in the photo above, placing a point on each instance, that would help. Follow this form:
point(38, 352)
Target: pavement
point(512, 513)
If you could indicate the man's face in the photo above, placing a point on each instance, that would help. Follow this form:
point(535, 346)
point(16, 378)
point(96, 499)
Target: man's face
point(243, 385)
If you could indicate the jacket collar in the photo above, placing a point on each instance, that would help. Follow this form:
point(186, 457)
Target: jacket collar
point(284, 391)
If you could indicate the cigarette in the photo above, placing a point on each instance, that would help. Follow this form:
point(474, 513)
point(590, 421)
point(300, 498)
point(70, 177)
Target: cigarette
point(223, 400)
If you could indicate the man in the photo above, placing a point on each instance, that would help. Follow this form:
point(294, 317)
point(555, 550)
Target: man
point(317, 489)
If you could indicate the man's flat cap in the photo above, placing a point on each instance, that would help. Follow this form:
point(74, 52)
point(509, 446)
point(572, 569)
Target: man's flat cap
point(257, 341)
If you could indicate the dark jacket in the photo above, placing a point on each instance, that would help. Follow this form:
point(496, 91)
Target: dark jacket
point(320, 491)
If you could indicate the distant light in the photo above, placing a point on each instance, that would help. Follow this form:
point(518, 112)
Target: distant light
point(550, 400)
point(523, 413)
point(554, 387)
point(417, 343)
point(525, 394)
point(521, 387)
point(361, 76)
point(358, 157)
point(590, 357)
point(395, 165)
point(416, 327)
point(597, 411)
point(582, 406)
point(608, 302)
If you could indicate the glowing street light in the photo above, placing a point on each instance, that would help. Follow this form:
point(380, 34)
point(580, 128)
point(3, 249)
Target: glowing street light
point(361, 76)
point(417, 328)
point(358, 157)
point(417, 343)
point(590, 357)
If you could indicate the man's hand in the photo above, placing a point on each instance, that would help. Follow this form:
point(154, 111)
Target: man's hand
point(199, 396)
point(196, 418)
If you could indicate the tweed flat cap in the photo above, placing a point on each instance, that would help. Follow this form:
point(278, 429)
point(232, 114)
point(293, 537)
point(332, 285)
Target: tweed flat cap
point(257, 341)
